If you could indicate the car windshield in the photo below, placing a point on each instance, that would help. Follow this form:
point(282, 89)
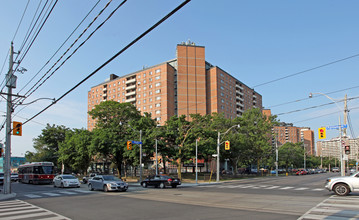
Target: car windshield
point(68, 177)
point(43, 169)
point(111, 178)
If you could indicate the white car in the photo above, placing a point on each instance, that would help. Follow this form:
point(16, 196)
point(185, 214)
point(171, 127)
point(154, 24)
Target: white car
point(343, 185)
point(66, 180)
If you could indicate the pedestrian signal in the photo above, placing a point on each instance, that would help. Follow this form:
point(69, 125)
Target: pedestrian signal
point(226, 145)
point(322, 133)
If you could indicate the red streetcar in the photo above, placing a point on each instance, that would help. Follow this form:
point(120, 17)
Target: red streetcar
point(36, 173)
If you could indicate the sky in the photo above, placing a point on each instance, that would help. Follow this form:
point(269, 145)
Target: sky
point(257, 42)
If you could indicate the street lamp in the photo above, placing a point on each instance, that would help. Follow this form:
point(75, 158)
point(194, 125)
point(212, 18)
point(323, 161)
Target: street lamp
point(342, 171)
point(218, 144)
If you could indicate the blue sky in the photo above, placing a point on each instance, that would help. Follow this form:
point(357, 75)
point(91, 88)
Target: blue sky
point(255, 41)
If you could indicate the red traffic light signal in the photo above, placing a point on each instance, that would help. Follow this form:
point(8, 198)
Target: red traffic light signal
point(227, 145)
point(322, 133)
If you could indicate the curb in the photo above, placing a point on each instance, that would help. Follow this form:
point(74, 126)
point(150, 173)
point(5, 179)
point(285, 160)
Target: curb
point(7, 196)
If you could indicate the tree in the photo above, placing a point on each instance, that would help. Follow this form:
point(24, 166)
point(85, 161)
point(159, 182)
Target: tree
point(112, 130)
point(74, 152)
point(257, 130)
point(291, 154)
point(47, 144)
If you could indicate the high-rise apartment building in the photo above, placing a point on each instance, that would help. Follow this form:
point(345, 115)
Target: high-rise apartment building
point(286, 132)
point(331, 148)
point(185, 85)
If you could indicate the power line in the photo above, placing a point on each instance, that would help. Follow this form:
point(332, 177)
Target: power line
point(18, 26)
point(299, 100)
point(113, 57)
point(299, 110)
point(61, 45)
point(98, 27)
point(307, 70)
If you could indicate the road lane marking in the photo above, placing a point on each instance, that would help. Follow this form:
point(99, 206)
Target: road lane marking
point(68, 192)
point(273, 187)
point(288, 187)
point(303, 188)
point(33, 196)
point(51, 194)
point(318, 189)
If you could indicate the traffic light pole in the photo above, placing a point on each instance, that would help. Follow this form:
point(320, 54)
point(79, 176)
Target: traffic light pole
point(10, 83)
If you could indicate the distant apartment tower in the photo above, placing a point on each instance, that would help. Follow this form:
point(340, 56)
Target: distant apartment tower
point(286, 132)
point(185, 85)
point(331, 148)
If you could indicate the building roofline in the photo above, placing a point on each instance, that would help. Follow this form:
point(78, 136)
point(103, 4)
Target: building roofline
point(129, 74)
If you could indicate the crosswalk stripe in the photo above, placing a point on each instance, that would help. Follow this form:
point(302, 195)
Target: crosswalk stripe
point(273, 187)
point(303, 188)
point(319, 189)
point(288, 187)
point(68, 193)
point(24, 210)
point(32, 196)
point(51, 194)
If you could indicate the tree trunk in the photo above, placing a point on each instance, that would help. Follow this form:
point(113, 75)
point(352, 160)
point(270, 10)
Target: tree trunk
point(164, 165)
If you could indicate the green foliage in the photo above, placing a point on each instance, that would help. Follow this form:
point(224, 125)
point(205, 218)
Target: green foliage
point(47, 144)
point(291, 154)
point(74, 152)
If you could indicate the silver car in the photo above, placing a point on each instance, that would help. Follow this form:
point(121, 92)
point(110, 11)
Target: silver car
point(66, 181)
point(107, 183)
point(343, 185)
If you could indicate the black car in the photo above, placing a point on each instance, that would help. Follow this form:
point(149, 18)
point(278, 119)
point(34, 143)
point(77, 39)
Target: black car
point(161, 181)
point(1, 178)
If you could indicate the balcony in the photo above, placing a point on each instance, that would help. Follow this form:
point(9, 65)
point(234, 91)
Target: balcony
point(131, 87)
point(131, 81)
point(238, 86)
point(131, 93)
point(131, 99)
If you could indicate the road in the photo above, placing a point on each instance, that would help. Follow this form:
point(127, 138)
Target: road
point(255, 198)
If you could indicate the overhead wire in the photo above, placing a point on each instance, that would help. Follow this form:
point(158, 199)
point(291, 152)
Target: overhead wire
point(27, 94)
point(47, 62)
point(22, 17)
point(112, 58)
point(307, 70)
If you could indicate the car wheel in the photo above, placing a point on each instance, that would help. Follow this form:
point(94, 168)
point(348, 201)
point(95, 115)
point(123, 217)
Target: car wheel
point(105, 188)
point(174, 186)
point(341, 189)
point(162, 185)
point(90, 187)
point(144, 185)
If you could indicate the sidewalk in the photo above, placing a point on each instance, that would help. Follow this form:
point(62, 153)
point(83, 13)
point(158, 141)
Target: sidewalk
point(7, 196)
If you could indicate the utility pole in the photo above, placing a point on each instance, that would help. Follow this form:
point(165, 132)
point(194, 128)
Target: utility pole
point(10, 83)
point(276, 155)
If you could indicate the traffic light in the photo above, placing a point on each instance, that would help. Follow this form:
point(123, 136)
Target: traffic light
point(347, 149)
point(17, 128)
point(159, 160)
point(227, 145)
point(1, 150)
point(129, 145)
point(322, 132)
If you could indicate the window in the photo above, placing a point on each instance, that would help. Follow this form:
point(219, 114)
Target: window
point(144, 75)
point(150, 80)
point(139, 96)
point(119, 89)
point(158, 105)
point(139, 109)
point(150, 86)
point(158, 71)
point(222, 88)
point(114, 84)
point(158, 77)
point(158, 91)
point(158, 112)
point(158, 98)
point(150, 92)
point(150, 73)
point(158, 84)
point(139, 102)
point(158, 119)
point(119, 82)
point(144, 81)
point(150, 100)
point(144, 101)
point(144, 108)
point(144, 94)
point(150, 106)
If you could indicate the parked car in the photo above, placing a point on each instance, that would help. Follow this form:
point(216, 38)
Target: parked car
point(107, 183)
point(352, 170)
point(14, 177)
point(301, 172)
point(343, 185)
point(161, 181)
point(1, 178)
point(335, 169)
point(85, 179)
point(66, 180)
